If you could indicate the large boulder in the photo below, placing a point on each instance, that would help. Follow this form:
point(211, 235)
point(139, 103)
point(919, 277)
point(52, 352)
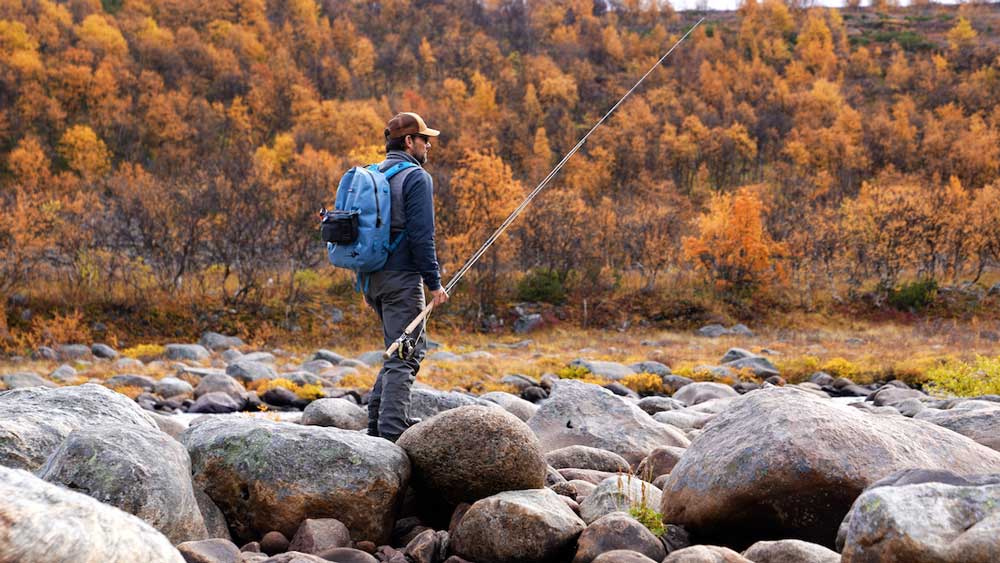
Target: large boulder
point(338, 413)
point(790, 551)
point(216, 341)
point(783, 463)
point(25, 379)
point(187, 352)
point(532, 526)
point(512, 403)
point(425, 402)
point(139, 470)
point(620, 492)
point(34, 421)
point(44, 523)
point(468, 453)
point(585, 457)
point(614, 531)
point(980, 424)
point(608, 370)
point(268, 476)
point(249, 370)
point(578, 413)
point(702, 391)
point(922, 522)
point(220, 383)
point(706, 554)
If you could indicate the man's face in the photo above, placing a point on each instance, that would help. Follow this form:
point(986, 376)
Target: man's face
point(417, 146)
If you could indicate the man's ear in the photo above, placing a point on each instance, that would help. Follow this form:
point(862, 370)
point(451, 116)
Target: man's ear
point(409, 141)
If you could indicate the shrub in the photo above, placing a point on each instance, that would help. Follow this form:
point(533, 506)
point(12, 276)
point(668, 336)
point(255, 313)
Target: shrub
point(573, 372)
point(542, 285)
point(145, 352)
point(981, 377)
point(644, 384)
point(914, 296)
point(357, 380)
point(309, 392)
point(130, 391)
point(839, 367)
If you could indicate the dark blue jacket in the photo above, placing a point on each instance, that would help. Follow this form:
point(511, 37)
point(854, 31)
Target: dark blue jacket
point(416, 252)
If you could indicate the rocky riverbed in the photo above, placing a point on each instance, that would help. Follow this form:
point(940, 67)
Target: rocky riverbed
point(558, 470)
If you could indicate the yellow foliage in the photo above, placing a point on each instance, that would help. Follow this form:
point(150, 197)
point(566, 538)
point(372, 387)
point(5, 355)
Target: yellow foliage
point(307, 391)
point(96, 33)
point(966, 379)
point(733, 247)
point(961, 35)
point(840, 367)
point(145, 352)
point(85, 153)
point(643, 383)
point(130, 391)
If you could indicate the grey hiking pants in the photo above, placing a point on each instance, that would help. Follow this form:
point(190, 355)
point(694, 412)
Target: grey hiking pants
point(397, 297)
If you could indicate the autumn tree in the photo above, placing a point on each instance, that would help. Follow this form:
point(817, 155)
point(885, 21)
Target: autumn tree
point(733, 248)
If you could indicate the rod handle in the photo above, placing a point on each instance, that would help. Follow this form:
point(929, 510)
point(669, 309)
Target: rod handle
point(409, 328)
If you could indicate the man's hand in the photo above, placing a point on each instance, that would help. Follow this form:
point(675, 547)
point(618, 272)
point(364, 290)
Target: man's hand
point(439, 296)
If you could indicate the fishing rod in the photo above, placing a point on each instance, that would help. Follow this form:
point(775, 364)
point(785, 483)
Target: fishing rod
point(405, 344)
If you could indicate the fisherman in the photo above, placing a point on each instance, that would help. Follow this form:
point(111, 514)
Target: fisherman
point(396, 292)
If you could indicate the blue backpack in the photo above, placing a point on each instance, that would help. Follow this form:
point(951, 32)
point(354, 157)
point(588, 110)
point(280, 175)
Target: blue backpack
point(356, 232)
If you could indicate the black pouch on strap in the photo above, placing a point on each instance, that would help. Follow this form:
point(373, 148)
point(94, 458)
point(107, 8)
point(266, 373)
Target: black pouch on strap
point(340, 227)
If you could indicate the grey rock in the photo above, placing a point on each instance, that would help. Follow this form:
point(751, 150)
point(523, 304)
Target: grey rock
point(338, 413)
point(653, 405)
point(801, 461)
point(44, 353)
point(660, 461)
point(528, 323)
point(619, 493)
point(713, 331)
point(702, 391)
point(468, 453)
point(348, 555)
point(220, 383)
point(592, 476)
point(139, 470)
point(759, 365)
point(34, 421)
point(373, 358)
point(821, 378)
point(982, 424)
point(173, 387)
point(617, 531)
point(64, 374)
point(72, 352)
point(328, 355)
point(444, 356)
point(427, 547)
point(216, 550)
point(649, 366)
point(302, 378)
point(125, 363)
point(740, 330)
point(103, 351)
point(923, 522)
point(790, 551)
point(268, 476)
point(316, 366)
point(317, 535)
point(231, 355)
point(279, 397)
point(734, 354)
point(608, 370)
point(585, 457)
point(910, 407)
point(187, 352)
point(247, 370)
point(352, 363)
point(25, 379)
point(579, 413)
point(168, 425)
point(671, 383)
point(715, 371)
point(216, 403)
point(518, 381)
point(623, 556)
point(685, 419)
point(216, 341)
point(890, 395)
point(706, 554)
point(263, 357)
point(512, 403)
point(131, 380)
point(537, 528)
point(44, 523)
point(425, 403)
point(215, 520)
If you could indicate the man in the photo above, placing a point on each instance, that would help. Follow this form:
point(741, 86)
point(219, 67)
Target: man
point(396, 292)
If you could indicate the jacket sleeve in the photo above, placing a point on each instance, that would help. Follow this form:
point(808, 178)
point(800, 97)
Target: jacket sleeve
point(418, 198)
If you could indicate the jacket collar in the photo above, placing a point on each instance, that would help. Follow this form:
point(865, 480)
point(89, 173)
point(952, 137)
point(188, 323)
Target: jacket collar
point(396, 156)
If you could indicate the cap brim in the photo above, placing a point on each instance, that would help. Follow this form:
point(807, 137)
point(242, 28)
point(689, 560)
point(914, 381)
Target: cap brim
point(430, 132)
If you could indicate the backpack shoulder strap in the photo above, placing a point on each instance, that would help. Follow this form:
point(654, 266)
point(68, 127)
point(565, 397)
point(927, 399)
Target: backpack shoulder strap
point(397, 168)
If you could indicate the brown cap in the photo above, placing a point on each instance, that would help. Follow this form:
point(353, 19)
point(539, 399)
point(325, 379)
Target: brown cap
point(408, 124)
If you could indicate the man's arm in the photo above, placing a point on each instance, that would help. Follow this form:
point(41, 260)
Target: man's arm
point(419, 201)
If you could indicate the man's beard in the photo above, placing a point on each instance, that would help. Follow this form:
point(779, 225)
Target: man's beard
point(422, 159)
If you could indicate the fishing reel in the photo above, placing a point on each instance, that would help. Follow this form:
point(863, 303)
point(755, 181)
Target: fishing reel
point(406, 347)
